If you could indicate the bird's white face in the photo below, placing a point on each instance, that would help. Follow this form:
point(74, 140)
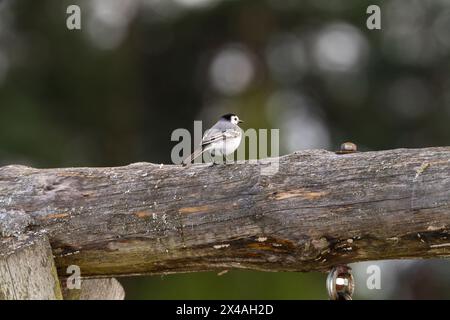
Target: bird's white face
point(235, 120)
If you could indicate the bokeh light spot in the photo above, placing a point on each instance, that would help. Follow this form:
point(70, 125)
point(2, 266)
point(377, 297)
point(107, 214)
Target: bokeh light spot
point(232, 70)
point(340, 47)
point(108, 21)
point(299, 121)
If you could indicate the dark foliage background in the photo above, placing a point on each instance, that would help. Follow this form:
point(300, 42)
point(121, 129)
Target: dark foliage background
point(112, 93)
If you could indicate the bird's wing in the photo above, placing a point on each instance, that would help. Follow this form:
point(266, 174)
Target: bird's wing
point(214, 135)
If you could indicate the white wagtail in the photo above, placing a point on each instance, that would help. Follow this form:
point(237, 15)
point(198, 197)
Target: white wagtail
point(221, 140)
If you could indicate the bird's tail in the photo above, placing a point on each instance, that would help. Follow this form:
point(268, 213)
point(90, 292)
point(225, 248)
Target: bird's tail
point(188, 160)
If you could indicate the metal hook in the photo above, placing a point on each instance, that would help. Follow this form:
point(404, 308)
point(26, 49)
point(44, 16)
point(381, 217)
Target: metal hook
point(340, 283)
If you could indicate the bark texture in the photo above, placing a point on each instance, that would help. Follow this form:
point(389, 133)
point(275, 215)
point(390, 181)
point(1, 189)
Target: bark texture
point(317, 210)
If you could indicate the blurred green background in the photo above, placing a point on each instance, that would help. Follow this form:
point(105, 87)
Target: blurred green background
point(112, 93)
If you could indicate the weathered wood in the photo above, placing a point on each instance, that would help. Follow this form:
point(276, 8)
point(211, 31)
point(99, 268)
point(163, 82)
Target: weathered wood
point(27, 270)
point(95, 289)
point(318, 210)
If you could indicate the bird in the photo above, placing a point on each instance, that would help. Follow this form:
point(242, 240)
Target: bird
point(221, 139)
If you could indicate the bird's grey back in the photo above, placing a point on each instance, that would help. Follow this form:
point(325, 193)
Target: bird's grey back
point(216, 130)
point(223, 124)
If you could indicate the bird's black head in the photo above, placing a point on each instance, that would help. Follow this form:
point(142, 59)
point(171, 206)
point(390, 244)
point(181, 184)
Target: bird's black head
point(228, 116)
point(231, 117)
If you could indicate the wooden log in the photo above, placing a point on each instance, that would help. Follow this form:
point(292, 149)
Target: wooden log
point(317, 210)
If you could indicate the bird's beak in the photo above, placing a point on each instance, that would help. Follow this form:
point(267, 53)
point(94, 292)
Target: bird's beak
point(240, 121)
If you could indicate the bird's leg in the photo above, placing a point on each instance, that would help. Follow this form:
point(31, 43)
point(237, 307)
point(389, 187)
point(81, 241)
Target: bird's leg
point(213, 156)
point(214, 163)
point(230, 161)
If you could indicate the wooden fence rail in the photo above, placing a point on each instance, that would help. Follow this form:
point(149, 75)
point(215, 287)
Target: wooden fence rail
point(318, 209)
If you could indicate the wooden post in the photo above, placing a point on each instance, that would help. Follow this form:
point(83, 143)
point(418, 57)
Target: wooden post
point(95, 289)
point(27, 269)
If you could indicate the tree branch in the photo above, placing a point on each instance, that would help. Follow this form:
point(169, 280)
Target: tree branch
point(320, 209)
